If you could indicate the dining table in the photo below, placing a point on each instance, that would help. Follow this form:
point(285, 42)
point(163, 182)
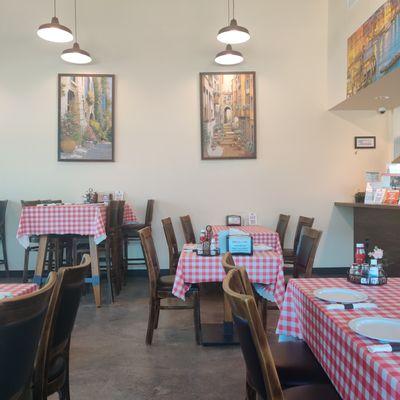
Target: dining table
point(16, 289)
point(264, 267)
point(68, 219)
point(355, 371)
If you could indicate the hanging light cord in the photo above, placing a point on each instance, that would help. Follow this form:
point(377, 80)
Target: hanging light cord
point(233, 9)
point(55, 9)
point(229, 10)
point(76, 29)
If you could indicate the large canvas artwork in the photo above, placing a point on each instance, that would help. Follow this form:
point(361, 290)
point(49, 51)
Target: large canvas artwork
point(228, 115)
point(374, 49)
point(85, 117)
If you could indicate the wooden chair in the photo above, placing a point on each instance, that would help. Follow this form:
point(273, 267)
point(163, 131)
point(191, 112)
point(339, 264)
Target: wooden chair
point(21, 323)
point(306, 252)
point(130, 234)
point(188, 229)
point(289, 255)
point(52, 364)
point(161, 288)
point(229, 264)
point(53, 248)
point(3, 207)
point(281, 227)
point(262, 377)
point(172, 244)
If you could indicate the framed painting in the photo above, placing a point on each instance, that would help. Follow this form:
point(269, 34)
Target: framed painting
point(373, 50)
point(85, 117)
point(228, 115)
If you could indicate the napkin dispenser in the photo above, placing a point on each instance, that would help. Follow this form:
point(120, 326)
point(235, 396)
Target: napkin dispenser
point(223, 236)
point(240, 244)
point(222, 241)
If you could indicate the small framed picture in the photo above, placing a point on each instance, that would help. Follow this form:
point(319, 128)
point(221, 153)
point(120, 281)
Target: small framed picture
point(365, 142)
point(233, 220)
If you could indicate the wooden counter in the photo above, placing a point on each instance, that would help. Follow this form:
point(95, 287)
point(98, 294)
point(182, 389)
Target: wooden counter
point(380, 225)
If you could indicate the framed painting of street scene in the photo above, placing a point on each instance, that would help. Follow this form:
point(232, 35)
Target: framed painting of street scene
point(228, 115)
point(85, 117)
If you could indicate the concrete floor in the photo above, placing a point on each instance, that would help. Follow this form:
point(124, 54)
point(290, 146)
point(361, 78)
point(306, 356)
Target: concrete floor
point(110, 361)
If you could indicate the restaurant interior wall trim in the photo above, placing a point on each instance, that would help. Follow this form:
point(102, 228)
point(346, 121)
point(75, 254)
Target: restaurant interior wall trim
point(305, 155)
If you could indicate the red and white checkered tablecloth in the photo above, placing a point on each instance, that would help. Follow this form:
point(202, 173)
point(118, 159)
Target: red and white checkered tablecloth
point(18, 289)
point(260, 235)
point(264, 267)
point(129, 214)
point(356, 373)
point(64, 219)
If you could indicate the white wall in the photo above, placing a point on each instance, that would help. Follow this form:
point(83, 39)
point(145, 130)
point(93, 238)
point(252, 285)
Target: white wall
point(156, 49)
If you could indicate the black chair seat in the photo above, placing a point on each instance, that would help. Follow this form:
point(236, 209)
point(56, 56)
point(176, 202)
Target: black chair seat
point(56, 368)
point(311, 392)
point(296, 364)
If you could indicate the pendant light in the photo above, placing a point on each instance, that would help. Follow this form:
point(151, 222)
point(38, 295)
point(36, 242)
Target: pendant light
point(233, 33)
point(54, 31)
point(229, 56)
point(76, 55)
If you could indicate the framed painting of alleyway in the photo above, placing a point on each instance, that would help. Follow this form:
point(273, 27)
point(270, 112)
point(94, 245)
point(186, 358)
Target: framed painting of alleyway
point(85, 117)
point(228, 115)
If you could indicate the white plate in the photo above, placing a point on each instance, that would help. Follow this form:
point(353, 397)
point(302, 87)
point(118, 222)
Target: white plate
point(385, 329)
point(340, 295)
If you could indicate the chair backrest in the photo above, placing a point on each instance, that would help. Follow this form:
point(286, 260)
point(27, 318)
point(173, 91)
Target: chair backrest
point(60, 320)
point(171, 241)
point(21, 323)
point(188, 229)
point(150, 255)
point(229, 264)
point(29, 203)
point(149, 212)
point(3, 207)
point(281, 227)
point(306, 251)
point(261, 372)
point(115, 214)
point(302, 222)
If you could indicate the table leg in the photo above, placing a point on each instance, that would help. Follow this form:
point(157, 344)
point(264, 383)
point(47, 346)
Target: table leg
point(220, 334)
point(41, 259)
point(95, 271)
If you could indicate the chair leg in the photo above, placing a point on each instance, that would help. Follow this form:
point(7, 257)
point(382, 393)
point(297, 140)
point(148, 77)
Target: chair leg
point(50, 252)
point(74, 251)
point(251, 394)
point(196, 316)
point(151, 322)
point(116, 260)
point(157, 317)
point(125, 258)
point(26, 266)
point(57, 254)
point(63, 393)
point(109, 282)
point(264, 311)
point(5, 257)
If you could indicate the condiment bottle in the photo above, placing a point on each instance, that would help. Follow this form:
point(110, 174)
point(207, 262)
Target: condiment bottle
point(360, 253)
